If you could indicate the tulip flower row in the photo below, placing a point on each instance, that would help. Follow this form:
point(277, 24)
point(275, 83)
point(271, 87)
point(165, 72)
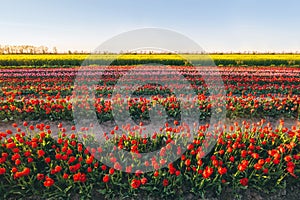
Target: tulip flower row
point(60, 81)
point(34, 160)
point(139, 108)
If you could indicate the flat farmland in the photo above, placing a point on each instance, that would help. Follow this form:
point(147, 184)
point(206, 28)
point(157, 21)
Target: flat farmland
point(229, 127)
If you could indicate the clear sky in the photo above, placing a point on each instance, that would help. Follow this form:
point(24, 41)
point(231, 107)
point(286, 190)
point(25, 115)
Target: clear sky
point(216, 25)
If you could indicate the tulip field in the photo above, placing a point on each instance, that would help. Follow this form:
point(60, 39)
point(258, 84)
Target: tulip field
point(31, 94)
point(245, 138)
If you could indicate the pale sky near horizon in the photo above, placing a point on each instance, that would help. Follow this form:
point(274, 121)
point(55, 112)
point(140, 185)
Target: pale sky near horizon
point(216, 25)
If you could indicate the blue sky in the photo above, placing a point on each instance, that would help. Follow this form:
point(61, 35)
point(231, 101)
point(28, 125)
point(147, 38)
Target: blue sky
point(216, 25)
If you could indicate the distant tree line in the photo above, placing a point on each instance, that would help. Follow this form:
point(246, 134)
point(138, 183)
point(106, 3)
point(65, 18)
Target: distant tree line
point(30, 49)
point(26, 49)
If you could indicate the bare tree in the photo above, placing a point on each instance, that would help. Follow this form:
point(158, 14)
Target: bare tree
point(54, 50)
